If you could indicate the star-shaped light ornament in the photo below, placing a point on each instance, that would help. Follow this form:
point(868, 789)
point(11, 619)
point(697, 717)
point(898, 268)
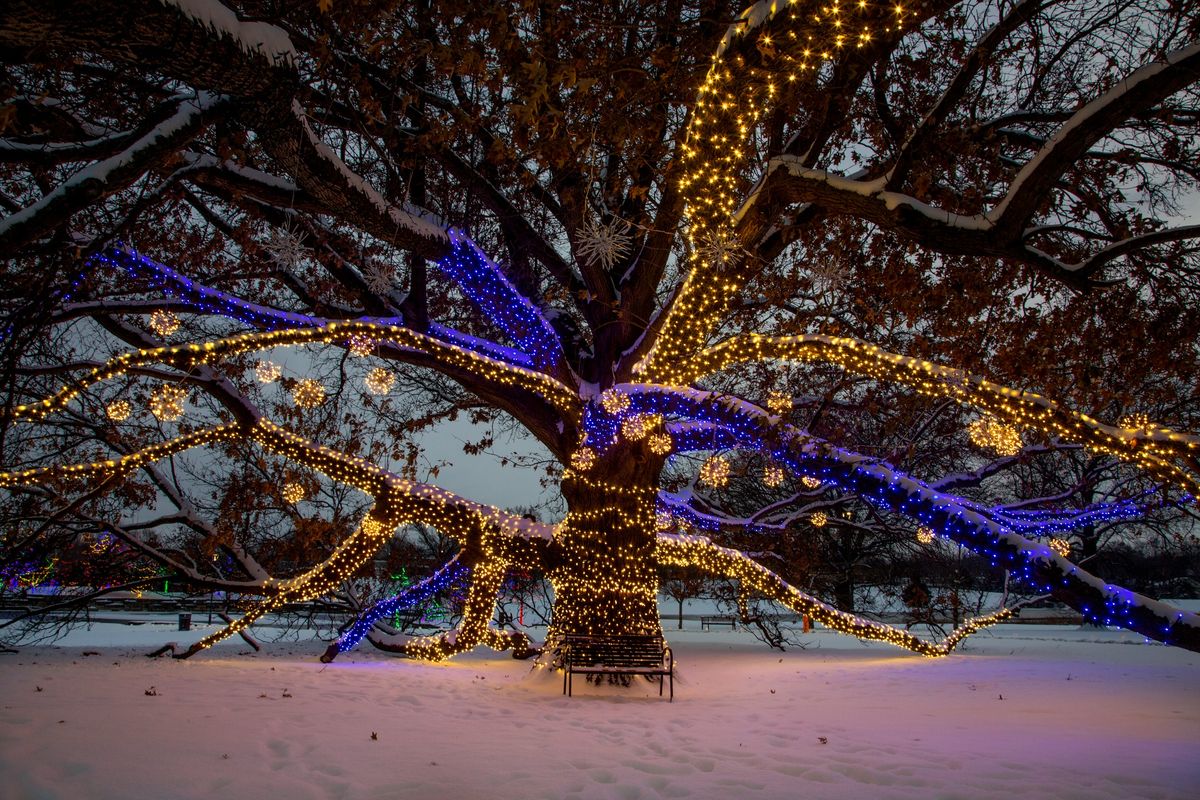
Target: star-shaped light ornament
point(603, 244)
point(379, 276)
point(719, 248)
point(285, 247)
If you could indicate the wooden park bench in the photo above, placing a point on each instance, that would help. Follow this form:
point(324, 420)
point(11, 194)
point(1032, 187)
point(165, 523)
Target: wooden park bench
point(617, 655)
point(706, 623)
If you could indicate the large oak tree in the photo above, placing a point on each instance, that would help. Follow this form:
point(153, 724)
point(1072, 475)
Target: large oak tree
point(804, 243)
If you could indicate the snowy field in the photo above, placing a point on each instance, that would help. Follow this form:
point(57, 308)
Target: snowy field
point(1025, 712)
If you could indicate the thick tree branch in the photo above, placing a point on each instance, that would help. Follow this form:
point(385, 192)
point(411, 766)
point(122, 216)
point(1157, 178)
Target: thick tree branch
point(1140, 90)
point(111, 174)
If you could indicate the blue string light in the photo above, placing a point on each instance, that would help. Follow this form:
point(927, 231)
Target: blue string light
point(437, 583)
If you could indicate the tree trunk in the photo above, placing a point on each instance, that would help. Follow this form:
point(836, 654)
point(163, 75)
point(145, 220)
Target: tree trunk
point(604, 573)
point(843, 593)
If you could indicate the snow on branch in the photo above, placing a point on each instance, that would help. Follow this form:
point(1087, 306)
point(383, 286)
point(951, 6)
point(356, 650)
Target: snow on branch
point(976, 59)
point(1140, 89)
point(412, 220)
point(111, 174)
point(887, 488)
point(697, 551)
point(482, 280)
point(186, 293)
point(252, 37)
point(1169, 455)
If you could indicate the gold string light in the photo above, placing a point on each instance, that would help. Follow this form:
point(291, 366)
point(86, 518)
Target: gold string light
point(617, 577)
point(661, 444)
point(166, 402)
point(380, 380)
point(991, 434)
point(164, 322)
point(187, 357)
point(599, 587)
point(293, 492)
point(772, 475)
point(118, 410)
point(308, 393)
point(734, 97)
point(714, 472)
point(1158, 451)
point(699, 552)
point(1061, 546)
point(267, 371)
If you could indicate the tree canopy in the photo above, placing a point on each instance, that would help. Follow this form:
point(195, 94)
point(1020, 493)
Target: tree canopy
point(748, 275)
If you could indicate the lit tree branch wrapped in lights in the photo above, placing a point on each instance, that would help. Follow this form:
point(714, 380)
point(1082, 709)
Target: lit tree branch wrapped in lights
point(619, 245)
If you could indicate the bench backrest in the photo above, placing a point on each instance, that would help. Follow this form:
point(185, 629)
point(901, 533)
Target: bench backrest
point(617, 651)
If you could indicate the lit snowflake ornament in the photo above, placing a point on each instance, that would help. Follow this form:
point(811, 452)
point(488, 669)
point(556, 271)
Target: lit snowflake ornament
point(286, 247)
point(605, 245)
point(379, 276)
point(719, 248)
point(827, 274)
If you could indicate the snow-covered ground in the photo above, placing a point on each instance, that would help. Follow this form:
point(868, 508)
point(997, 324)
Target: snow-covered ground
point(1027, 711)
